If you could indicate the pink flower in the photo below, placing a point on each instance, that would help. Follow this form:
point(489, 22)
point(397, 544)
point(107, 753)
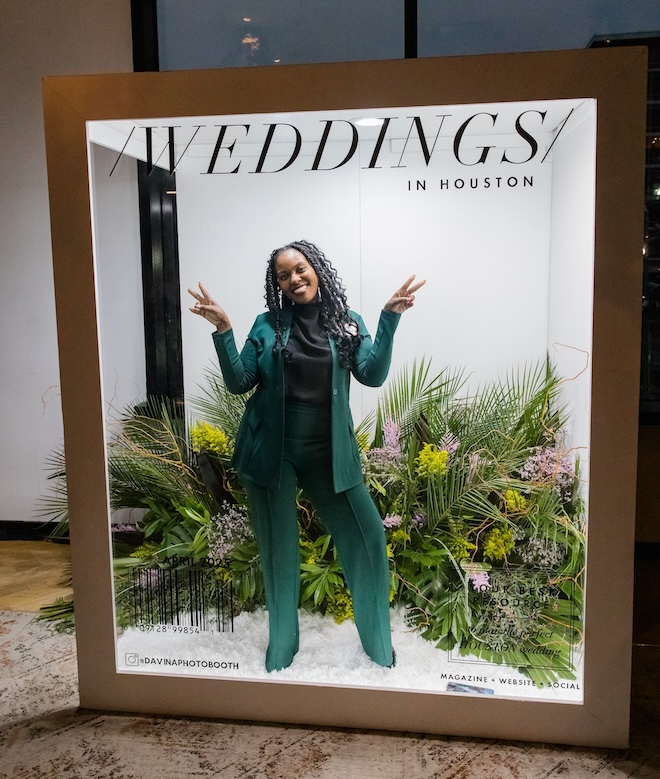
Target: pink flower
point(476, 461)
point(226, 529)
point(548, 465)
point(381, 460)
point(392, 435)
point(392, 520)
point(419, 520)
point(480, 581)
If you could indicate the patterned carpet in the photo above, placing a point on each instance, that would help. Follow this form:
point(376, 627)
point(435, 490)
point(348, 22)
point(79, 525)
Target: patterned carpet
point(43, 735)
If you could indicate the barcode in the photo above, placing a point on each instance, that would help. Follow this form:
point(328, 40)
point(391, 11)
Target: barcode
point(182, 597)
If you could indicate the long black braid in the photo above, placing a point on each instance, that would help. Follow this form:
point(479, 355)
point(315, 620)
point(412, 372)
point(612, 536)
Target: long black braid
point(335, 318)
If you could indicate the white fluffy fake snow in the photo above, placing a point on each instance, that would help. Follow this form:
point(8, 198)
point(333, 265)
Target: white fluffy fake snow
point(329, 654)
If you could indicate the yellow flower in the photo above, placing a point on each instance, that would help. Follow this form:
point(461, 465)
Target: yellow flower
point(515, 501)
point(460, 547)
point(223, 574)
point(211, 438)
point(498, 544)
point(432, 461)
point(389, 551)
point(146, 550)
point(341, 607)
point(400, 536)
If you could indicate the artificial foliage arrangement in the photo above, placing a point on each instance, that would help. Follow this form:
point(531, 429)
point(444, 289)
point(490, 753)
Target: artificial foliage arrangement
point(480, 502)
point(483, 514)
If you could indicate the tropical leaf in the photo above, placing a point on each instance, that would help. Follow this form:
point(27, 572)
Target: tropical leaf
point(59, 614)
point(246, 574)
point(217, 405)
point(412, 397)
point(513, 415)
point(149, 457)
point(53, 506)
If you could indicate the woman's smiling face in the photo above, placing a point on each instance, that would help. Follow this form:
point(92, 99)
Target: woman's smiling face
point(296, 277)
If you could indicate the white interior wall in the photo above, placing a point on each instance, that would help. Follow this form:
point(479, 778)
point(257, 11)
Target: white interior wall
point(570, 317)
point(484, 251)
point(228, 227)
point(119, 280)
point(36, 39)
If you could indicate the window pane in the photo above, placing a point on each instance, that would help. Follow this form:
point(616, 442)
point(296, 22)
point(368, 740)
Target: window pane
point(235, 33)
point(481, 27)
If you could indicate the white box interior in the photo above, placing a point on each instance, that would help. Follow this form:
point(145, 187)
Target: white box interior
point(495, 211)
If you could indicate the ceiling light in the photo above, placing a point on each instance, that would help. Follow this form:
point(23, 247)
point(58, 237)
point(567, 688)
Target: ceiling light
point(370, 121)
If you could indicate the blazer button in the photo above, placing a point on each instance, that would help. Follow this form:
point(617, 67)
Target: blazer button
point(334, 391)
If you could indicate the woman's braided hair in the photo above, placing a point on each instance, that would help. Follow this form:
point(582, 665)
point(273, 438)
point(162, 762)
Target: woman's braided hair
point(335, 318)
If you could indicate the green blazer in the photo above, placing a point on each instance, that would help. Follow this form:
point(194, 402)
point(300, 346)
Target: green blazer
point(259, 442)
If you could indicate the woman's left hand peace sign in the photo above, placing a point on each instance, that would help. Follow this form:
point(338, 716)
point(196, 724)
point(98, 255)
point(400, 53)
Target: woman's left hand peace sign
point(404, 297)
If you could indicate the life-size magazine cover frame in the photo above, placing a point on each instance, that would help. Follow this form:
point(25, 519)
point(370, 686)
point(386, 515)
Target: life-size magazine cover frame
point(617, 80)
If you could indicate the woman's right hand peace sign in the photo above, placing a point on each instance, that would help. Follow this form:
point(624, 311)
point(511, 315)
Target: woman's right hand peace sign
point(206, 307)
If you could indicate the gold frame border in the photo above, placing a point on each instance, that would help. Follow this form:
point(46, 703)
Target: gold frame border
point(617, 79)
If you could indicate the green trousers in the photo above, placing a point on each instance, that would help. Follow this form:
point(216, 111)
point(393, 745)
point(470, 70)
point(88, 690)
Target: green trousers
point(353, 522)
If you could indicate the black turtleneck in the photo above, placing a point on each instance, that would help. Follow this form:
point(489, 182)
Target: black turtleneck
point(307, 357)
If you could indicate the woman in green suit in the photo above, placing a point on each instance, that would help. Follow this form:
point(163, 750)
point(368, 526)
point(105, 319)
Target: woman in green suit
point(297, 429)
